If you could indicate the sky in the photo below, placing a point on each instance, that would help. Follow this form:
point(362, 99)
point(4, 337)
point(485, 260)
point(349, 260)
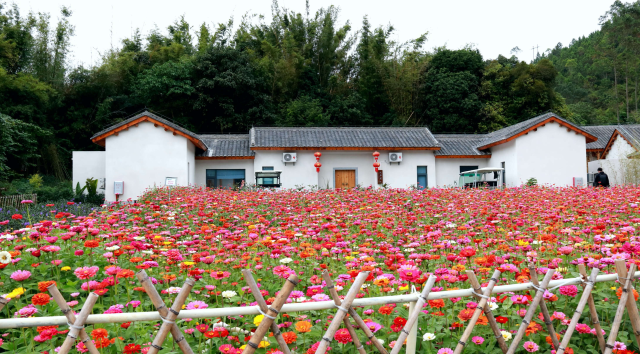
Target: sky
point(492, 26)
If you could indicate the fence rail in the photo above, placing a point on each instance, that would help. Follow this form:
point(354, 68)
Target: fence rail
point(15, 200)
point(310, 306)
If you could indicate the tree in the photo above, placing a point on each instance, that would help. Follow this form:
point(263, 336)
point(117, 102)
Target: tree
point(450, 93)
point(18, 146)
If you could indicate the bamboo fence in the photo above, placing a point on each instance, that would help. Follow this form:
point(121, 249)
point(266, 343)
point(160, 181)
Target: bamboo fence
point(14, 201)
point(346, 306)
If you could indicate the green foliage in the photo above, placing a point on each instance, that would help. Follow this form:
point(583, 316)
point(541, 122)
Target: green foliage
point(303, 111)
point(36, 181)
point(18, 146)
point(532, 182)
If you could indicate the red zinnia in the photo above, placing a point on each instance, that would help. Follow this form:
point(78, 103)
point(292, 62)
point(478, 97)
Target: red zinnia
point(132, 348)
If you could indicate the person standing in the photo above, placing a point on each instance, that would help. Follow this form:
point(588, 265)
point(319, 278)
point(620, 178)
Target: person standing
point(601, 179)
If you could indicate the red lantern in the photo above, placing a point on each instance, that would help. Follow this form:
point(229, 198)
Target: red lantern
point(317, 155)
point(317, 165)
point(376, 164)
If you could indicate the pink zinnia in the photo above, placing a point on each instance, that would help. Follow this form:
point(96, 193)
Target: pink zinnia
point(583, 328)
point(220, 275)
point(477, 340)
point(197, 305)
point(569, 290)
point(409, 273)
point(21, 275)
point(531, 347)
point(227, 348)
point(283, 271)
point(445, 351)
point(86, 272)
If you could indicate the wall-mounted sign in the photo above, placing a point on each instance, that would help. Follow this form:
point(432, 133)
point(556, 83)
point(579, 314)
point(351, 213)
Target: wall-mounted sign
point(380, 179)
point(171, 181)
point(118, 187)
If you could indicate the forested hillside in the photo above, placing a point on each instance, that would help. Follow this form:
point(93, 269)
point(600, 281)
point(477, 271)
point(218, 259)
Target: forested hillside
point(298, 69)
point(598, 74)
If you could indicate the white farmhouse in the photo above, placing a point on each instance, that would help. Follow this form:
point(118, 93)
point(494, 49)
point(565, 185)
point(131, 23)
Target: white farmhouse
point(616, 152)
point(147, 150)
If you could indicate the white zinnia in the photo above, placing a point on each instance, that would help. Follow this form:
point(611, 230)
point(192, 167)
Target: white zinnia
point(112, 248)
point(506, 335)
point(493, 306)
point(428, 336)
point(229, 294)
point(286, 260)
point(5, 257)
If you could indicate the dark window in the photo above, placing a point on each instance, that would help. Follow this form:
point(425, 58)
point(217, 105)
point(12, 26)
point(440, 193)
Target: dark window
point(267, 180)
point(467, 168)
point(422, 177)
point(225, 178)
point(504, 172)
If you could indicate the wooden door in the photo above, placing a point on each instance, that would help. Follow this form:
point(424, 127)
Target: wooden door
point(345, 179)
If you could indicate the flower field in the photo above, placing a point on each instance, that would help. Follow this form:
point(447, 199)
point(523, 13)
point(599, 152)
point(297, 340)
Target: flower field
point(400, 236)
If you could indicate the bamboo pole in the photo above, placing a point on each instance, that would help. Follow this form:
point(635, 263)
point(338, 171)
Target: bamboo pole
point(9, 323)
point(78, 324)
point(354, 314)
point(413, 315)
point(264, 308)
point(71, 318)
point(3, 302)
point(576, 315)
point(615, 325)
point(476, 314)
point(157, 302)
point(338, 302)
point(487, 309)
point(169, 320)
point(271, 314)
point(592, 310)
point(531, 311)
point(342, 312)
point(543, 309)
point(412, 339)
point(632, 308)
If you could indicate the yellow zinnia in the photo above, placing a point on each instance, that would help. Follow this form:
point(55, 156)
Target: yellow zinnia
point(258, 319)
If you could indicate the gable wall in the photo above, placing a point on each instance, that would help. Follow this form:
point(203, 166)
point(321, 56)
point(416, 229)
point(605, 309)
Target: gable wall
point(143, 156)
point(619, 149)
point(552, 155)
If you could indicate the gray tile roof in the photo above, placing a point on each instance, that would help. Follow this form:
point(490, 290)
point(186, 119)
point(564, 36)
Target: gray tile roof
point(150, 115)
point(602, 132)
point(460, 144)
point(226, 145)
point(327, 137)
point(632, 133)
point(512, 130)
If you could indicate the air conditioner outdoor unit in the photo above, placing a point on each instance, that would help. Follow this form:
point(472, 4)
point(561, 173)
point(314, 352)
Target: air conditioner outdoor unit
point(289, 157)
point(395, 157)
point(590, 178)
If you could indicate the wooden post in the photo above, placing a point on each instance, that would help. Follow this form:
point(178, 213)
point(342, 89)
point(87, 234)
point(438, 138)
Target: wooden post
point(632, 308)
point(169, 320)
point(71, 318)
point(576, 315)
point(176, 333)
point(476, 314)
point(342, 312)
point(615, 324)
point(271, 314)
point(338, 302)
point(3, 302)
point(487, 310)
point(361, 324)
point(544, 310)
point(592, 310)
point(78, 324)
point(414, 313)
point(255, 291)
point(530, 312)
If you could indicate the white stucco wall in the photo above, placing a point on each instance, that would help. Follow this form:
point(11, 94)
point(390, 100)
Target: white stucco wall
point(88, 164)
point(144, 156)
point(304, 174)
point(191, 164)
point(201, 167)
point(506, 153)
point(619, 149)
point(552, 155)
point(448, 169)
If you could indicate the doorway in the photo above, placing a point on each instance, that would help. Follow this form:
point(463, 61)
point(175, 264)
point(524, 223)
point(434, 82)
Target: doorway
point(345, 179)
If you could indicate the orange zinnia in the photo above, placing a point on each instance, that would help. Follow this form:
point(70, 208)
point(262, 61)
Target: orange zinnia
point(99, 333)
point(482, 320)
point(290, 337)
point(466, 314)
point(303, 326)
point(619, 293)
point(40, 299)
point(43, 285)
